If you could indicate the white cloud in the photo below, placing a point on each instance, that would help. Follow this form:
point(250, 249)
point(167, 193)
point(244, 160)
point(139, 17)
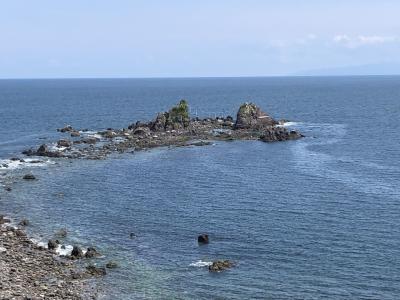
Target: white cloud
point(363, 40)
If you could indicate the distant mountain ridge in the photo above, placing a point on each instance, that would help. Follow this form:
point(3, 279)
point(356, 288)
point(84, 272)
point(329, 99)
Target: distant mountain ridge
point(368, 69)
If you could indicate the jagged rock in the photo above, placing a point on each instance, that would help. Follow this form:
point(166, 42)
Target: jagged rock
point(250, 116)
point(176, 118)
point(67, 128)
point(42, 150)
point(111, 265)
point(160, 122)
point(279, 134)
point(220, 265)
point(91, 252)
point(52, 244)
point(76, 252)
point(64, 143)
point(29, 177)
point(96, 271)
point(203, 239)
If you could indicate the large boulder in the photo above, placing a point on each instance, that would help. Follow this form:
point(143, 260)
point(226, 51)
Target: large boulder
point(250, 116)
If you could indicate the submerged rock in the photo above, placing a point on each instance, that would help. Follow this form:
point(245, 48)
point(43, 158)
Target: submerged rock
point(29, 177)
point(250, 116)
point(111, 265)
point(24, 222)
point(220, 265)
point(96, 271)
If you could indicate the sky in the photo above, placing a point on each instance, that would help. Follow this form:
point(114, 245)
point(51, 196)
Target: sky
point(187, 38)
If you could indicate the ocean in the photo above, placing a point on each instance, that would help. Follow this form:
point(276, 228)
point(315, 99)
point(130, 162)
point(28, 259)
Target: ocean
point(308, 219)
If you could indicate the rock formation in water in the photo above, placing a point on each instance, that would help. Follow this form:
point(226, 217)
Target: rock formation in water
point(171, 128)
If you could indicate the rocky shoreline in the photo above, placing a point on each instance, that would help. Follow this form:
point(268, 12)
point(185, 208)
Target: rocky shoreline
point(30, 271)
point(171, 128)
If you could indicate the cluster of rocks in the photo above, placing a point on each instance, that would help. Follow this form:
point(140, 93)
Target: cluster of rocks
point(171, 128)
point(217, 265)
point(29, 271)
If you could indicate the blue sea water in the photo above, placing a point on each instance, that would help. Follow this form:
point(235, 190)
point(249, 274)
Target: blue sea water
point(317, 218)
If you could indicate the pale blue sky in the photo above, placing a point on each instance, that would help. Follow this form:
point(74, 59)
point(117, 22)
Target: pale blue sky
point(177, 38)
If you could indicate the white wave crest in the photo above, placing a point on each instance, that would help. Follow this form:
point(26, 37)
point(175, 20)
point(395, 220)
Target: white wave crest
point(201, 264)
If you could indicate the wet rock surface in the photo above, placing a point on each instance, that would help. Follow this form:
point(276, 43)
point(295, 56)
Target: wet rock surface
point(32, 272)
point(220, 265)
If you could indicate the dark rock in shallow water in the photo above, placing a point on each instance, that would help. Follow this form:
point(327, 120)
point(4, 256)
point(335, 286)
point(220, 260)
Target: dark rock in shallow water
point(52, 244)
point(111, 265)
point(76, 252)
point(279, 134)
point(220, 265)
point(203, 239)
point(250, 116)
point(64, 143)
point(96, 271)
point(29, 177)
point(75, 134)
point(91, 252)
point(24, 222)
point(66, 128)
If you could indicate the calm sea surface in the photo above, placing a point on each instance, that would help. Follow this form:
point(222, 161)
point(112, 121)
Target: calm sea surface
point(317, 218)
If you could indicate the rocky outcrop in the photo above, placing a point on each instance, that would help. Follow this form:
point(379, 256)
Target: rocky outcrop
point(173, 128)
point(76, 252)
point(274, 134)
point(220, 265)
point(91, 252)
point(64, 143)
point(43, 150)
point(250, 116)
point(176, 118)
point(203, 239)
point(53, 244)
point(29, 177)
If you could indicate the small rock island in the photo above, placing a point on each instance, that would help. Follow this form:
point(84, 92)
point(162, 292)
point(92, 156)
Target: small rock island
point(172, 128)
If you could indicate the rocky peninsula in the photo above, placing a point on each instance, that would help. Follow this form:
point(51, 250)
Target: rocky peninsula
point(172, 128)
